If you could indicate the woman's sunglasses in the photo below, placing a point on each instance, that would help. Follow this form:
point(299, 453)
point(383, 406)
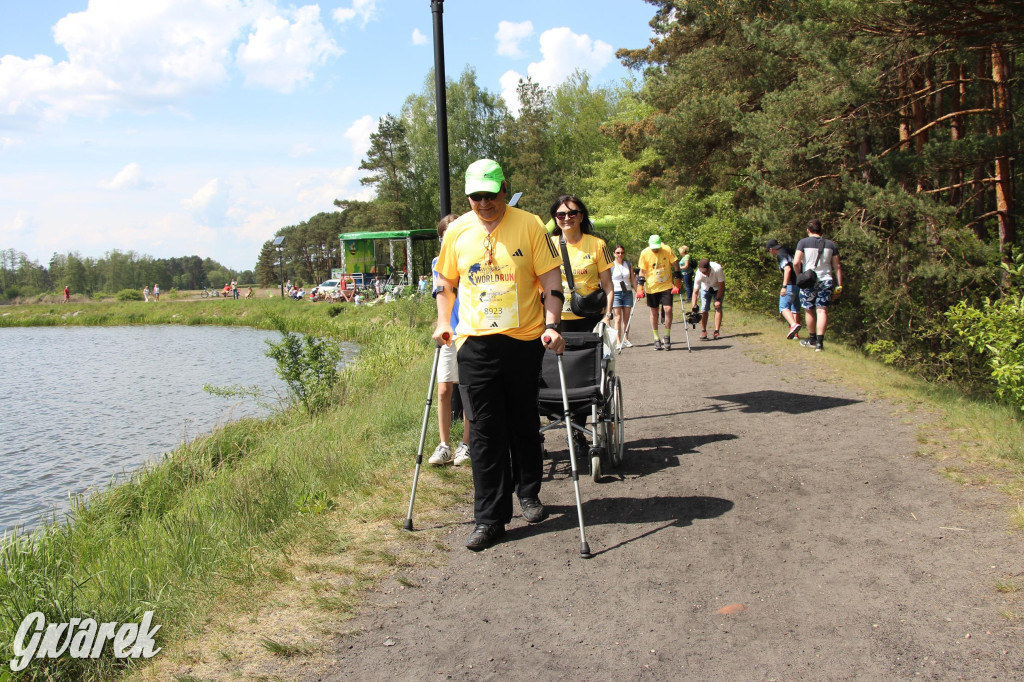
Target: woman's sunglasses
point(562, 215)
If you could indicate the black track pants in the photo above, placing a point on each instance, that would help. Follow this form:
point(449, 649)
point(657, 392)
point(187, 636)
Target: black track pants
point(499, 377)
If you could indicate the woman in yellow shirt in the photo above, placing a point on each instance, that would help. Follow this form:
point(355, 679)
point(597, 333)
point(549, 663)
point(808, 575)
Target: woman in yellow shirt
point(589, 258)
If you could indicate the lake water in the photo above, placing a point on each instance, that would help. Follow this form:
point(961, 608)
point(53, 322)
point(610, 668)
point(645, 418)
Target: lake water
point(80, 405)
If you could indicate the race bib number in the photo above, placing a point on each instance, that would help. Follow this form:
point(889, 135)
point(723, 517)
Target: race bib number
point(494, 299)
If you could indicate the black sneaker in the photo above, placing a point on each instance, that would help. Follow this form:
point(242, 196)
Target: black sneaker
point(819, 346)
point(807, 343)
point(657, 344)
point(484, 535)
point(668, 344)
point(533, 510)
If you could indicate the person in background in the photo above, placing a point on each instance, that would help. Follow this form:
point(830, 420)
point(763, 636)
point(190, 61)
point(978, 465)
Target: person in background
point(788, 294)
point(623, 284)
point(145, 293)
point(711, 282)
point(500, 259)
point(814, 252)
point(234, 289)
point(156, 292)
point(687, 268)
point(447, 378)
point(67, 294)
point(658, 265)
point(346, 286)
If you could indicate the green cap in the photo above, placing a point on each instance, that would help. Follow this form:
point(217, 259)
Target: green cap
point(484, 176)
point(654, 242)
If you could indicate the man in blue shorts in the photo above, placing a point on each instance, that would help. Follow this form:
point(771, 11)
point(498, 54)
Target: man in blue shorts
point(787, 295)
point(709, 285)
point(814, 252)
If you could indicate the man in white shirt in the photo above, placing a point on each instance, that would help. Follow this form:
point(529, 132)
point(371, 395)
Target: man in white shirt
point(709, 286)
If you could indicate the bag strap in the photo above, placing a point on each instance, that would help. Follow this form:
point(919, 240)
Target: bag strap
point(821, 247)
point(565, 262)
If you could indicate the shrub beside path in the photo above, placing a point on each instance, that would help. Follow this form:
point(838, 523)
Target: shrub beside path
point(770, 523)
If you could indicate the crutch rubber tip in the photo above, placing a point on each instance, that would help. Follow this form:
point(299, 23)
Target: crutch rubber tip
point(585, 551)
point(408, 524)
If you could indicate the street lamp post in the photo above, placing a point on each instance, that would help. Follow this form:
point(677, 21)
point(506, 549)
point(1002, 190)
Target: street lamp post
point(278, 241)
point(437, 8)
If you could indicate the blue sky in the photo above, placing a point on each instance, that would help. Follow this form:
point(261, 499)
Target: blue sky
point(173, 127)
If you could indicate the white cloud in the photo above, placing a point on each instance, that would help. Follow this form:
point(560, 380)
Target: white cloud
point(359, 135)
point(319, 191)
point(564, 52)
point(20, 225)
point(366, 10)
point(9, 143)
point(130, 55)
point(129, 177)
point(300, 149)
point(418, 38)
point(209, 205)
point(510, 90)
point(280, 55)
point(509, 36)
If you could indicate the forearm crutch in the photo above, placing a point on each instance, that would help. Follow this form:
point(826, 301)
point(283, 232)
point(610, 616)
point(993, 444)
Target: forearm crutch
point(584, 547)
point(423, 436)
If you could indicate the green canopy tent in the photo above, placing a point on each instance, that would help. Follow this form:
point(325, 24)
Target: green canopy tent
point(349, 247)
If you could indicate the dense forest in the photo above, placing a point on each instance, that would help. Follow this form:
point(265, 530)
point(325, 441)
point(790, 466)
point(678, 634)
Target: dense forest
point(895, 122)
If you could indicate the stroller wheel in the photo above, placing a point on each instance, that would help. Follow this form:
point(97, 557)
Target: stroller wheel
point(595, 468)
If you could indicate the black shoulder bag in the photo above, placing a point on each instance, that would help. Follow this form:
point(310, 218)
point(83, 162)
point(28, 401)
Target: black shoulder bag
point(584, 306)
point(808, 278)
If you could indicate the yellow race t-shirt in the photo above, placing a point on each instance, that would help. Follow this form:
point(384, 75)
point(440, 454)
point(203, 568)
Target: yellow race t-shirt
point(497, 274)
point(589, 257)
point(658, 266)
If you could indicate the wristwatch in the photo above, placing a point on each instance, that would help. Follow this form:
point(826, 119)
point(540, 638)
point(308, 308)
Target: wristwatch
point(557, 326)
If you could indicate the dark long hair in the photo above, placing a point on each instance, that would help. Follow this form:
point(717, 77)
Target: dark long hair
point(586, 227)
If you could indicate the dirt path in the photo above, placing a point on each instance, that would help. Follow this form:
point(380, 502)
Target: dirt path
point(793, 501)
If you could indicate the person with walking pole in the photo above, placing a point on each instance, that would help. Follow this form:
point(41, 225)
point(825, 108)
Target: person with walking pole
point(500, 259)
point(658, 265)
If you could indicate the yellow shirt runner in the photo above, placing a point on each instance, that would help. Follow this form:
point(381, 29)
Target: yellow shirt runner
point(657, 264)
point(497, 273)
point(588, 258)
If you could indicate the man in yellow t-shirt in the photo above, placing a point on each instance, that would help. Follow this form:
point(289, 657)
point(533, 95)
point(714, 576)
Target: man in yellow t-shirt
point(658, 266)
point(500, 259)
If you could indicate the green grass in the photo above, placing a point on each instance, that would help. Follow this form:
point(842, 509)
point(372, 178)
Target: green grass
point(220, 518)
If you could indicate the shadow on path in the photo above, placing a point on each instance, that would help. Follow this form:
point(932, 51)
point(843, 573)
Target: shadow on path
point(644, 456)
point(760, 402)
point(778, 401)
point(670, 512)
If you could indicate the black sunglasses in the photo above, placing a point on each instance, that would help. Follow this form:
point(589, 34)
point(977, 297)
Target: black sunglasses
point(483, 196)
point(562, 215)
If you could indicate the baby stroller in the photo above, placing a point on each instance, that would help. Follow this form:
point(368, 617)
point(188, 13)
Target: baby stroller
point(593, 390)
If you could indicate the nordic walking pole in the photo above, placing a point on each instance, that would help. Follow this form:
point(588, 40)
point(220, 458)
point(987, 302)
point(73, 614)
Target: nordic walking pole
point(584, 547)
point(686, 331)
point(423, 435)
